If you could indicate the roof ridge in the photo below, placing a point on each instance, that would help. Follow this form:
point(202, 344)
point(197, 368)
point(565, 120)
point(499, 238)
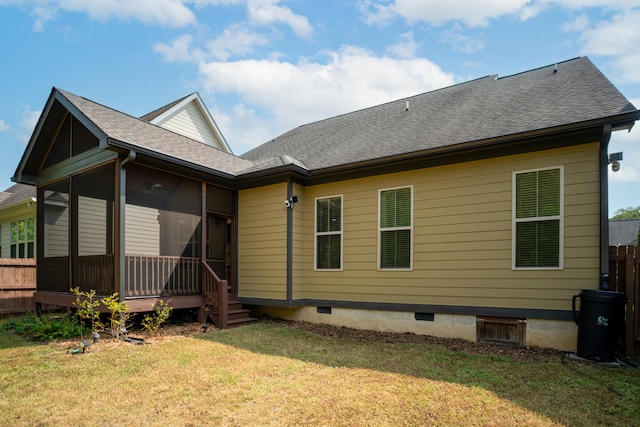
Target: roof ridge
point(543, 67)
point(158, 111)
point(489, 76)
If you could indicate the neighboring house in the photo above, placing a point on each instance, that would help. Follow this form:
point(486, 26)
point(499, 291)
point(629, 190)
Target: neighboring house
point(473, 211)
point(17, 221)
point(624, 232)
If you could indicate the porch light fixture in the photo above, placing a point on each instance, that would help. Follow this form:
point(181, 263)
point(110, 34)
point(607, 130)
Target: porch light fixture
point(290, 201)
point(614, 160)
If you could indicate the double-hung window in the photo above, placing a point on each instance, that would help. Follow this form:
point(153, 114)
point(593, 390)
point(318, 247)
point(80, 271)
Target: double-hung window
point(395, 228)
point(22, 238)
point(329, 233)
point(538, 219)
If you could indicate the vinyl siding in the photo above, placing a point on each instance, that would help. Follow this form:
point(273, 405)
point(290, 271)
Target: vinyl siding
point(298, 257)
point(262, 242)
point(92, 226)
point(190, 122)
point(142, 231)
point(462, 237)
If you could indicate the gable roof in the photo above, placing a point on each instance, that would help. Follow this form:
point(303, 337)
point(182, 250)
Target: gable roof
point(624, 232)
point(121, 131)
point(483, 111)
point(190, 117)
point(17, 193)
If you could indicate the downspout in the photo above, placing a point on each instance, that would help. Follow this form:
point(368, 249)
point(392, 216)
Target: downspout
point(604, 208)
point(122, 192)
point(289, 246)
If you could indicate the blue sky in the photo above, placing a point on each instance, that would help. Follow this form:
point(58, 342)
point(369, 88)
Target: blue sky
point(266, 66)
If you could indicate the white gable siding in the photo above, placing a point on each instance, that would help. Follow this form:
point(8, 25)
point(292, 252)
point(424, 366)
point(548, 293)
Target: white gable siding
point(190, 122)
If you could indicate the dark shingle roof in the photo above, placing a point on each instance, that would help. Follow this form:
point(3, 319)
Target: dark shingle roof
point(17, 193)
point(136, 133)
point(624, 232)
point(478, 110)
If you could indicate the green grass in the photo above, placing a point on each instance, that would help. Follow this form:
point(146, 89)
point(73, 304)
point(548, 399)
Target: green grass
point(267, 374)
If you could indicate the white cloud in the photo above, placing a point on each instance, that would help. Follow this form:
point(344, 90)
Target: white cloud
point(28, 121)
point(437, 12)
point(236, 40)
point(179, 50)
point(460, 41)
point(405, 48)
point(618, 39)
point(3, 126)
point(169, 13)
point(292, 94)
point(266, 12)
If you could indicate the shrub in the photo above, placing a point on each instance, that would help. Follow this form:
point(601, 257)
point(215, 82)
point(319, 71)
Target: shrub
point(119, 315)
point(44, 328)
point(86, 306)
point(152, 322)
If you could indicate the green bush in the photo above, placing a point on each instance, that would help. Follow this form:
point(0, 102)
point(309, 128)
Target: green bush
point(44, 328)
point(152, 322)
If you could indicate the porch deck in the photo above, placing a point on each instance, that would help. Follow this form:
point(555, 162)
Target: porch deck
point(177, 281)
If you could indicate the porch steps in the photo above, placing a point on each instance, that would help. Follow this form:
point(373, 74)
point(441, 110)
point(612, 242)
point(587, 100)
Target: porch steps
point(238, 315)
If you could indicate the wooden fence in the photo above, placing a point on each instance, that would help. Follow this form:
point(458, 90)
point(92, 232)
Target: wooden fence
point(17, 285)
point(624, 272)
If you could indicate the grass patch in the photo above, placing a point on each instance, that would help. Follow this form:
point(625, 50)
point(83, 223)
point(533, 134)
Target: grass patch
point(267, 374)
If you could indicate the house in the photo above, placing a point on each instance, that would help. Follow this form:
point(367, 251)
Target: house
point(474, 211)
point(625, 232)
point(17, 221)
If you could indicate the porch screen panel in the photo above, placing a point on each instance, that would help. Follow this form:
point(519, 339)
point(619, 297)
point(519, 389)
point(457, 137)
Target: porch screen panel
point(163, 217)
point(53, 253)
point(93, 201)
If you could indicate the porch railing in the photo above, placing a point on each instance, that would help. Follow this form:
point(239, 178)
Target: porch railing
point(94, 272)
point(216, 296)
point(162, 275)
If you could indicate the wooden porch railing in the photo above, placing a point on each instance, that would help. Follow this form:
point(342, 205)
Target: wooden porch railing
point(162, 275)
point(94, 272)
point(216, 296)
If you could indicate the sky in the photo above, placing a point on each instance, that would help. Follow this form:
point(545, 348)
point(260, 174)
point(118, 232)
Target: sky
point(263, 67)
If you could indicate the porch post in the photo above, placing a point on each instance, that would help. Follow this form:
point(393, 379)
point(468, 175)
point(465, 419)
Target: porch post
point(119, 224)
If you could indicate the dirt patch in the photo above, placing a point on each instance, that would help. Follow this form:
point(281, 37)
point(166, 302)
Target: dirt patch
point(532, 354)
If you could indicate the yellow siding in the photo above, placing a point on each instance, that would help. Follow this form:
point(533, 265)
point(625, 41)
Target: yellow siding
point(462, 237)
point(299, 220)
point(262, 242)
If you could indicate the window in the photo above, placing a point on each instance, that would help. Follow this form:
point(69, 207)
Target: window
point(538, 219)
point(329, 233)
point(22, 238)
point(396, 226)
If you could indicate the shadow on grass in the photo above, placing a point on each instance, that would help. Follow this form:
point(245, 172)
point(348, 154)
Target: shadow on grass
point(567, 392)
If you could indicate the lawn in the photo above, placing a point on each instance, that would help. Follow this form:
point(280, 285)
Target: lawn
point(269, 374)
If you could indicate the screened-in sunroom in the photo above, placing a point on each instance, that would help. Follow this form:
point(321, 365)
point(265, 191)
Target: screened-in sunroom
point(117, 213)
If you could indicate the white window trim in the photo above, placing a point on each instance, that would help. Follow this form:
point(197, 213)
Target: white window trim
point(26, 241)
point(380, 229)
point(327, 233)
point(514, 221)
